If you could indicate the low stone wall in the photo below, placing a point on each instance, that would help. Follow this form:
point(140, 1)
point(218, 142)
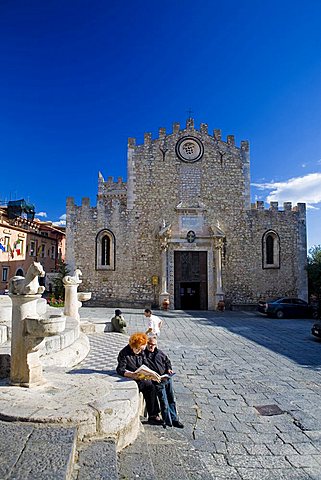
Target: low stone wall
point(66, 349)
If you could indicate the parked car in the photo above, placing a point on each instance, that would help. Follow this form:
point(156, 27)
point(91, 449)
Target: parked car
point(285, 307)
point(316, 330)
point(316, 310)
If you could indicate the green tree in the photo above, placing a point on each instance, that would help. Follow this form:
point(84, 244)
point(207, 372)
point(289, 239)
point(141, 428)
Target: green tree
point(63, 270)
point(314, 271)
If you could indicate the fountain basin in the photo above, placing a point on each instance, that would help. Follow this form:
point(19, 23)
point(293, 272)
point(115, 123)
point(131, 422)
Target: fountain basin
point(45, 327)
point(84, 296)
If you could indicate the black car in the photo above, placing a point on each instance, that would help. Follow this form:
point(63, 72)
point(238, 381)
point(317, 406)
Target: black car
point(316, 330)
point(285, 307)
point(316, 310)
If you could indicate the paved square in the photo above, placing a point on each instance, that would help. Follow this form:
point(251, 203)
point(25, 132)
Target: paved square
point(228, 363)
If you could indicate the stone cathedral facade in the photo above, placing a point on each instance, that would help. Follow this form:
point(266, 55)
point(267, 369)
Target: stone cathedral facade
point(183, 228)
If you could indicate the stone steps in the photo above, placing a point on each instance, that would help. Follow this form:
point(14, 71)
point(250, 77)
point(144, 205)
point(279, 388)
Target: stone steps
point(95, 325)
point(156, 454)
point(30, 452)
point(67, 348)
point(41, 452)
point(97, 460)
point(3, 334)
point(64, 350)
point(5, 356)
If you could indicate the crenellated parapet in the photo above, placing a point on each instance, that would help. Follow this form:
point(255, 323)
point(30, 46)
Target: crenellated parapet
point(190, 129)
point(111, 188)
point(274, 207)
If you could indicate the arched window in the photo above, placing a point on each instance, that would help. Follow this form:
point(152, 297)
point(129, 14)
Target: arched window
point(105, 250)
point(19, 272)
point(270, 250)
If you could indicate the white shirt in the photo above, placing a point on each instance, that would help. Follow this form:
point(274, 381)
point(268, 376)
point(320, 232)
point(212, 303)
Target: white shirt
point(154, 322)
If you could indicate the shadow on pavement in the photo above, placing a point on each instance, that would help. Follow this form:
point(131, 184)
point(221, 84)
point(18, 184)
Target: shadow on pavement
point(289, 337)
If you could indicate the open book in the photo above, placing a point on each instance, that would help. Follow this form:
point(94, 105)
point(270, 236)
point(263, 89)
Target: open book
point(146, 373)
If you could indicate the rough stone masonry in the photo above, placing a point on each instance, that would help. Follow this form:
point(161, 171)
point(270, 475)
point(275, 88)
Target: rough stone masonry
point(183, 228)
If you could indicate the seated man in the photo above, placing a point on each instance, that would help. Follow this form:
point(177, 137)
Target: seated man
point(129, 359)
point(158, 361)
point(118, 322)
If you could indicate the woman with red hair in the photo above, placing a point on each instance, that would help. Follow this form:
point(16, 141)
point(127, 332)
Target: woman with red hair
point(129, 359)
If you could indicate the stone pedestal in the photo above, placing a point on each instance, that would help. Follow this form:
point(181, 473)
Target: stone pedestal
point(72, 304)
point(164, 295)
point(23, 306)
point(73, 298)
point(28, 333)
point(219, 297)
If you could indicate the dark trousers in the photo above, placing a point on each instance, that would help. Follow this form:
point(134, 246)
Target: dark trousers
point(149, 393)
point(165, 394)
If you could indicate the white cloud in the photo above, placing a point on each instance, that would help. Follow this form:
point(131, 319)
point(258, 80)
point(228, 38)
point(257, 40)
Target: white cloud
point(61, 222)
point(41, 214)
point(306, 189)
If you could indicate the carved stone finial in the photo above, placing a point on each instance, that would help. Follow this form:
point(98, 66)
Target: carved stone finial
point(73, 280)
point(28, 285)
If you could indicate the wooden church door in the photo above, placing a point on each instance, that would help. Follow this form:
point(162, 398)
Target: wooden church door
point(190, 277)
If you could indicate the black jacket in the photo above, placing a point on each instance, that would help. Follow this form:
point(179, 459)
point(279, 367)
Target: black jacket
point(127, 360)
point(158, 361)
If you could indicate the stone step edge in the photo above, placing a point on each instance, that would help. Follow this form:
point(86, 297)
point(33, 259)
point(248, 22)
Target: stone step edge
point(55, 458)
point(56, 343)
point(87, 326)
point(4, 334)
point(116, 416)
point(97, 459)
point(69, 356)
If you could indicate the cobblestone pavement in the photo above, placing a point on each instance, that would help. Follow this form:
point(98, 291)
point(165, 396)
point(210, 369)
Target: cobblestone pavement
point(227, 364)
point(35, 452)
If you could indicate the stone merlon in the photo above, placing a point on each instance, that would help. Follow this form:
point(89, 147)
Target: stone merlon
point(162, 132)
point(176, 127)
point(217, 135)
point(85, 202)
point(147, 138)
point(231, 139)
point(274, 206)
point(131, 142)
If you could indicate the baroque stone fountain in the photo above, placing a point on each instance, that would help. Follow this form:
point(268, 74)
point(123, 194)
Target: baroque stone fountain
point(29, 329)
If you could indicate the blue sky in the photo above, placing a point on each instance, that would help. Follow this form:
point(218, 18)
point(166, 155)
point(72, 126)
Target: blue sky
point(80, 77)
